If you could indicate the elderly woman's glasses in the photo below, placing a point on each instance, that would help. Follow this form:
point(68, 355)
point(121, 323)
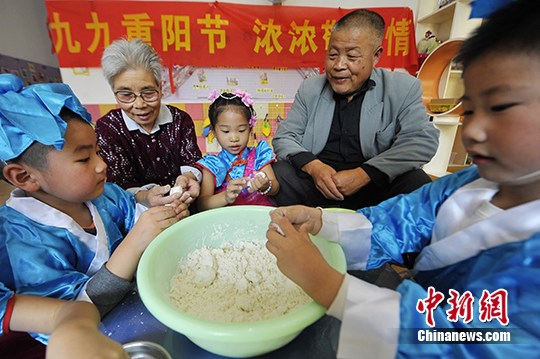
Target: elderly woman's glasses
point(130, 96)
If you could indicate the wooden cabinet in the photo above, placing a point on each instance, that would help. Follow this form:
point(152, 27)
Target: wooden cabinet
point(448, 22)
point(441, 80)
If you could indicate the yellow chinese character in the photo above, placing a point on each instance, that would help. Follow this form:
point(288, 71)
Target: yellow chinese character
point(327, 28)
point(176, 30)
point(98, 27)
point(302, 37)
point(61, 27)
point(397, 35)
point(270, 40)
point(138, 26)
point(208, 23)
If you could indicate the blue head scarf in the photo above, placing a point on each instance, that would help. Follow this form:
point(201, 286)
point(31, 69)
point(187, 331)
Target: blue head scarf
point(484, 8)
point(32, 114)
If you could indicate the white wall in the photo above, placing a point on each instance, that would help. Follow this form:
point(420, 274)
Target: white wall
point(24, 35)
point(23, 31)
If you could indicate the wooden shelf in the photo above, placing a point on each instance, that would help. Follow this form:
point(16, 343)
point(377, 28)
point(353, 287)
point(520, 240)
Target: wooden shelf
point(451, 24)
point(447, 121)
point(440, 15)
point(452, 168)
point(431, 75)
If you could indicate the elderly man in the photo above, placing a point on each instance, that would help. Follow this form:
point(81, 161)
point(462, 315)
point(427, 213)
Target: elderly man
point(356, 135)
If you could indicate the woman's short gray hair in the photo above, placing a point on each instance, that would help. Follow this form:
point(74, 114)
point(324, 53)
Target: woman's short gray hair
point(122, 55)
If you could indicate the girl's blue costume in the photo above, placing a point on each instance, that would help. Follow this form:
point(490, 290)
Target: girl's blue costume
point(226, 166)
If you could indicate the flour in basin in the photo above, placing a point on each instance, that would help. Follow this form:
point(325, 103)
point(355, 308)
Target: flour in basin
point(237, 282)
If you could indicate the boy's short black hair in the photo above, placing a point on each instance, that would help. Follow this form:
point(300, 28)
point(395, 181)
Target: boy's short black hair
point(512, 29)
point(35, 156)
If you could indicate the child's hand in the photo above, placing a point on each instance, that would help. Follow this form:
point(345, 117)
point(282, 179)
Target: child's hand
point(156, 196)
point(292, 246)
point(299, 215)
point(76, 334)
point(300, 260)
point(234, 187)
point(258, 182)
point(123, 261)
point(80, 340)
point(153, 221)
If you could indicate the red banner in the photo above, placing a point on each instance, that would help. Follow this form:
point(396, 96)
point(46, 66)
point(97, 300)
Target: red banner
point(215, 34)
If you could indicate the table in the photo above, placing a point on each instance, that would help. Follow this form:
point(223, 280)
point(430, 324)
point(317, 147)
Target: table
point(130, 321)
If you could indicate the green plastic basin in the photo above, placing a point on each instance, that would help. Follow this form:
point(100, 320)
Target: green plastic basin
point(212, 228)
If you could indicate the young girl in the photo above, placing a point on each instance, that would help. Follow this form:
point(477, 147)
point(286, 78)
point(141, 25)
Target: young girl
point(238, 174)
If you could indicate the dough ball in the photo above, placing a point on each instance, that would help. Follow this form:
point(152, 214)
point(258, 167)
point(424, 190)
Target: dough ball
point(176, 189)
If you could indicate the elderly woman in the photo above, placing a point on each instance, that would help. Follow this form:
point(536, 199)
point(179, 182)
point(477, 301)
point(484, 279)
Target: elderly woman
point(148, 146)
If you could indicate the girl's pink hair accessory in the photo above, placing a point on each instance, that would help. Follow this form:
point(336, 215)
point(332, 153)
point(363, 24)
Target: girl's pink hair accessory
point(243, 95)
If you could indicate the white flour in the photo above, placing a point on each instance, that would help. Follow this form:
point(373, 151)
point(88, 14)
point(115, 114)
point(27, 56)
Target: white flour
point(237, 282)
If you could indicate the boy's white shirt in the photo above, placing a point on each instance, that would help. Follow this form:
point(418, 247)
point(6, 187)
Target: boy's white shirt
point(47, 215)
point(465, 213)
point(460, 219)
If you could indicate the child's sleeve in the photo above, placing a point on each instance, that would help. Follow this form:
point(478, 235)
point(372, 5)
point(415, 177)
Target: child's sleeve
point(352, 231)
point(106, 290)
point(369, 317)
point(214, 165)
point(514, 274)
point(402, 224)
point(119, 211)
point(264, 155)
point(383, 323)
point(44, 262)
